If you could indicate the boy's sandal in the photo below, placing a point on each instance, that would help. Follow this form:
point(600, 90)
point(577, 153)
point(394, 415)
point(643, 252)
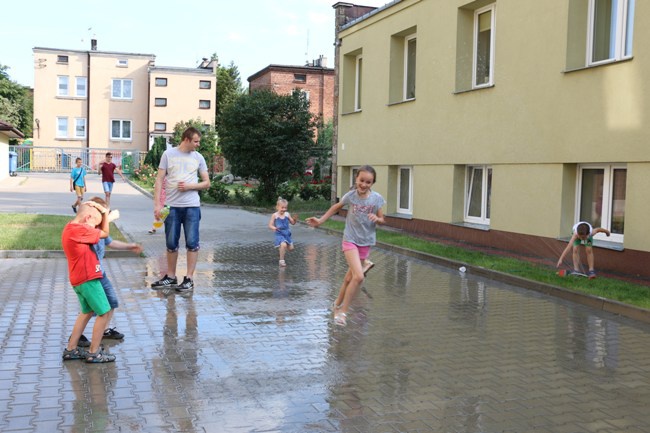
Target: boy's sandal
point(340, 319)
point(99, 357)
point(283, 263)
point(69, 355)
point(591, 275)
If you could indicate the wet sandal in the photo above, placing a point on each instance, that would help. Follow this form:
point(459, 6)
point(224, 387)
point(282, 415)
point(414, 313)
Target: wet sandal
point(369, 266)
point(99, 357)
point(341, 319)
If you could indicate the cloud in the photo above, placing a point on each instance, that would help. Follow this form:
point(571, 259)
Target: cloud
point(320, 18)
point(292, 30)
point(235, 37)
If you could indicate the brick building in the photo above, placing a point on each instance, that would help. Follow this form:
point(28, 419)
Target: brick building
point(315, 79)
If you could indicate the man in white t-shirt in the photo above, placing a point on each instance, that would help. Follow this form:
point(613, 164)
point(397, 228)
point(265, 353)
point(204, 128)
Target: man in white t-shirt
point(181, 167)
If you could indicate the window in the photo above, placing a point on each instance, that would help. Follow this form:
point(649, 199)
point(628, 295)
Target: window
point(601, 198)
point(160, 126)
point(477, 194)
point(62, 89)
point(306, 94)
point(300, 78)
point(81, 87)
point(610, 29)
point(161, 102)
point(204, 104)
point(353, 174)
point(122, 89)
point(62, 59)
point(402, 66)
point(405, 191)
point(120, 129)
point(358, 83)
point(483, 58)
point(122, 63)
point(61, 127)
point(409, 67)
point(80, 127)
point(204, 84)
point(161, 82)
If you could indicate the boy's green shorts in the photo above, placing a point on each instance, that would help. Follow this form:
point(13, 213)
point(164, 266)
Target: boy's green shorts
point(92, 297)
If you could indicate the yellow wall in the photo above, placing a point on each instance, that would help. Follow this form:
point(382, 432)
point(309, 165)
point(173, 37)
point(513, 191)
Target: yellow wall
point(540, 120)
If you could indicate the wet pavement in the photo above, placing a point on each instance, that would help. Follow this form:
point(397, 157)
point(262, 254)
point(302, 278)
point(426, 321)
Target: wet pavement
point(254, 348)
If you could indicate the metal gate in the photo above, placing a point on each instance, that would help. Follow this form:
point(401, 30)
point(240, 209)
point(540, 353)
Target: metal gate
point(62, 159)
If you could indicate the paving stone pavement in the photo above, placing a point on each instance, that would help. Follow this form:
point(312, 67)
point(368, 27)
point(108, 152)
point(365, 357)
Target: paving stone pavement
point(254, 348)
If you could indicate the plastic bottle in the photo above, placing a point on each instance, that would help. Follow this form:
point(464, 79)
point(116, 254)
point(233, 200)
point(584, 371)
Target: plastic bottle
point(163, 214)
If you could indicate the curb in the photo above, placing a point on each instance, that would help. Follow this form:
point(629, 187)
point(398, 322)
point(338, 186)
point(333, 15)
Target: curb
point(595, 302)
point(58, 254)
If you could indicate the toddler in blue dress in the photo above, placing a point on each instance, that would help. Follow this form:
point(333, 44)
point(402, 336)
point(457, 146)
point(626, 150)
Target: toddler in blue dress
point(279, 223)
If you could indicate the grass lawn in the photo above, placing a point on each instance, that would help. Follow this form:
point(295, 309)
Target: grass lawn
point(37, 232)
point(609, 288)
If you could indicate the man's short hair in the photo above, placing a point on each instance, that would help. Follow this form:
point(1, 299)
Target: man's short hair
point(188, 134)
point(109, 154)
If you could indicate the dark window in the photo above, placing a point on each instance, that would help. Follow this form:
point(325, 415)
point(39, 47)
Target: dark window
point(300, 78)
point(62, 59)
point(161, 102)
point(204, 104)
point(161, 82)
point(160, 126)
point(203, 84)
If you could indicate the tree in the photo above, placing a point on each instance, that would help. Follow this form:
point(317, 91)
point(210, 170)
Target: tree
point(208, 146)
point(156, 151)
point(16, 103)
point(229, 88)
point(267, 136)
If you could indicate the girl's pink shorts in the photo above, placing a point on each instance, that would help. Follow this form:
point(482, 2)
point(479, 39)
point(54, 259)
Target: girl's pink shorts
point(364, 252)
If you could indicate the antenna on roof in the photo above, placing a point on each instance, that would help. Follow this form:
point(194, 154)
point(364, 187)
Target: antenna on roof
point(307, 48)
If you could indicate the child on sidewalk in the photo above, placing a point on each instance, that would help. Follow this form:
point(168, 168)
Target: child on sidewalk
point(364, 213)
point(583, 234)
point(84, 270)
point(100, 249)
point(279, 223)
point(78, 183)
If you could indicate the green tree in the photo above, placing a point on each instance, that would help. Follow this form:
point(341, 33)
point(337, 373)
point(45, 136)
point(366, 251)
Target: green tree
point(267, 136)
point(322, 152)
point(156, 151)
point(229, 88)
point(16, 103)
point(208, 146)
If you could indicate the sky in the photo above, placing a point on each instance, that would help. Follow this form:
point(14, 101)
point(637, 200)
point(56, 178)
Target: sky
point(251, 33)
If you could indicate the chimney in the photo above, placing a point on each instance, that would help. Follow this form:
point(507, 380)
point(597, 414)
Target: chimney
point(93, 44)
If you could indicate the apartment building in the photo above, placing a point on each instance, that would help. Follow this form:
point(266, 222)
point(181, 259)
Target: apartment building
point(502, 123)
point(105, 99)
point(315, 79)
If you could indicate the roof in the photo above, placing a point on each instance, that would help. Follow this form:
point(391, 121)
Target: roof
point(369, 14)
point(290, 68)
point(10, 130)
point(181, 70)
point(113, 53)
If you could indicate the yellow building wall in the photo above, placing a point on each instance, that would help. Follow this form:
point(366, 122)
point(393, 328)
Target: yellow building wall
point(539, 120)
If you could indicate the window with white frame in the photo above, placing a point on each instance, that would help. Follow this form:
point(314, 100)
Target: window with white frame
point(122, 89)
point(478, 187)
point(81, 87)
point(61, 127)
point(63, 85)
point(405, 190)
point(80, 127)
point(483, 58)
point(120, 129)
point(610, 30)
point(410, 45)
point(601, 198)
point(122, 63)
point(353, 175)
point(358, 82)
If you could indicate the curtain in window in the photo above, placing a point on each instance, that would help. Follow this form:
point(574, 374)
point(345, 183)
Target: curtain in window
point(483, 48)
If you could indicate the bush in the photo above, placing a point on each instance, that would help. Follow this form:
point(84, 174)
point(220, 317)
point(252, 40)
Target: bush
point(146, 175)
point(218, 192)
point(242, 197)
point(288, 190)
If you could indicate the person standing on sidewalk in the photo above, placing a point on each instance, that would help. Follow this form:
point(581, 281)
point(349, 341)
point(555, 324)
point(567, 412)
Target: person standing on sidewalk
point(78, 183)
point(181, 167)
point(108, 169)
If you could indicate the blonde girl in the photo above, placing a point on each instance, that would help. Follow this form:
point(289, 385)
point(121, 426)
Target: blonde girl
point(279, 223)
point(364, 213)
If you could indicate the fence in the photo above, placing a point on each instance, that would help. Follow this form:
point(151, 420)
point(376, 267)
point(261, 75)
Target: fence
point(62, 159)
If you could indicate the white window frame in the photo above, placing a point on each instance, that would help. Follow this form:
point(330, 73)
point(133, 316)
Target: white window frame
point(608, 185)
point(61, 127)
point(407, 210)
point(353, 171)
point(121, 95)
point(122, 123)
point(358, 70)
point(78, 82)
point(620, 38)
point(486, 193)
point(408, 39)
point(63, 85)
point(493, 9)
point(79, 123)
point(122, 63)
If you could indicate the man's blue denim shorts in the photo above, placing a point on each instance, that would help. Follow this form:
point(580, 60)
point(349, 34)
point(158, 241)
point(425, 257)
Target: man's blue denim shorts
point(188, 218)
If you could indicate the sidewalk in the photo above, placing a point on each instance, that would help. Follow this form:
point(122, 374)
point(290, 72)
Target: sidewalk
point(254, 349)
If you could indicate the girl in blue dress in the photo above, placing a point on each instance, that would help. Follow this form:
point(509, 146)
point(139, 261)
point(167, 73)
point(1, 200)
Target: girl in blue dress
point(279, 223)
